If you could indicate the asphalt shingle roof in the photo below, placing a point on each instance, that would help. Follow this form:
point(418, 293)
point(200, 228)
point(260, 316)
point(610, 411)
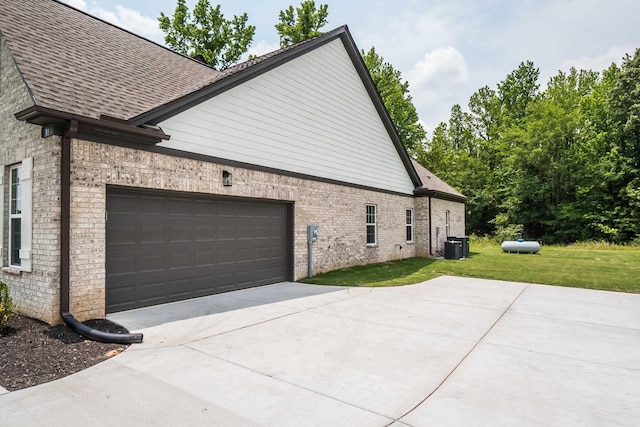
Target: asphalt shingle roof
point(76, 63)
point(430, 182)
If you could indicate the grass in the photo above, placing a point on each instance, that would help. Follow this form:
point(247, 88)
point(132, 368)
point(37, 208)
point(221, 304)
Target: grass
point(590, 266)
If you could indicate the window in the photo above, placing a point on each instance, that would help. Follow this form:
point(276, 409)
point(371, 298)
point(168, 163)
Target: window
point(15, 216)
point(371, 225)
point(18, 221)
point(409, 225)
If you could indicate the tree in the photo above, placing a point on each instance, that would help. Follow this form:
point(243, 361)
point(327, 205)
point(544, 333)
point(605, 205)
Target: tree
point(517, 91)
point(625, 105)
point(219, 41)
point(302, 23)
point(625, 108)
point(395, 96)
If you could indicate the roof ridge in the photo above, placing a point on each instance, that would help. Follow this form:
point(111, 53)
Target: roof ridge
point(265, 56)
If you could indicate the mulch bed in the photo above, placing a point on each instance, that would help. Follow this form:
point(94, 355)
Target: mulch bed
point(32, 352)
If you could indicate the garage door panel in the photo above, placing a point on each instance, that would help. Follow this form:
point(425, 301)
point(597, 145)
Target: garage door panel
point(178, 289)
point(225, 256)
point(226, 231)
point(204, 258)
point(226, 209)
point(245, 255)
point(123, 265)
point(181, 233)
point(263, 254)
point(152, 263)
point(245, 231)
point(205, 208)
point(148, 205)
point(179, 260)
point(123, 234)
point(124, 203)
point(180, 207)
point(152, 233)
point(245, 210)
point(164, 247)
point(245, 278)
point(206, 232)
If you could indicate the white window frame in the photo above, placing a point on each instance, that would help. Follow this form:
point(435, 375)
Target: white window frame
point(24, 171)
point(409, 225)
point(371, 215)
point(15, 213)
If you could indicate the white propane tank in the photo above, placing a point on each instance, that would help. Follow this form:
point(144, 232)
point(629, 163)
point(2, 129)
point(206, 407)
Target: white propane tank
point(520, 246)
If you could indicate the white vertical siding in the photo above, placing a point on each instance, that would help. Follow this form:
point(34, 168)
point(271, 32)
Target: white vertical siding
point(311, 115)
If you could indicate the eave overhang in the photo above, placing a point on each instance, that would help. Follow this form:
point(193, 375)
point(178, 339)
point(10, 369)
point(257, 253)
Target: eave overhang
point(425, 192)
point(102, 129)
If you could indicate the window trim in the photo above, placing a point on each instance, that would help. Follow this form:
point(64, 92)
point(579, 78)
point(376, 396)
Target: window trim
point(373, 224)
point(25, 176)
point(15, 213)
point(409, 225)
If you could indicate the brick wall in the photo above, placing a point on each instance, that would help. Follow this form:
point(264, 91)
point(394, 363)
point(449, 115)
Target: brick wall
point(36, 293)
point(438, 220)
point(339, 211)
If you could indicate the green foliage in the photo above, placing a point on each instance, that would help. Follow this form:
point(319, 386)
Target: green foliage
point(596, 265)
point(7, 307)
point(301, 23)
point(397, 100)
point(559, 165)
point(221, 42)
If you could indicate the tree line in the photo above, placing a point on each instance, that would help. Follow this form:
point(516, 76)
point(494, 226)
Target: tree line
point(560, 164)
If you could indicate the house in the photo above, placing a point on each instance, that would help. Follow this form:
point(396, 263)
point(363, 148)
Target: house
point(445, 209)
point(135, 176)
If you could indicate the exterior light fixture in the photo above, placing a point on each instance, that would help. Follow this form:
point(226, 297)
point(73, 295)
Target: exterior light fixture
point(48, 130)
point(227, 178)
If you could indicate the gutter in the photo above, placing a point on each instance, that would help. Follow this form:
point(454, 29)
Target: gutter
point(425, 192)
point(65, 225)
point(430, 231)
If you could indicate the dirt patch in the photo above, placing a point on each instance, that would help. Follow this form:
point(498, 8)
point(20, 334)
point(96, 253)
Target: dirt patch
point(32, 352)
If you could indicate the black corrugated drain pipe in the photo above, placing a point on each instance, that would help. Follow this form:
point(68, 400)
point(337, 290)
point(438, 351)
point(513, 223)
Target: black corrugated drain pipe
point(65, 222)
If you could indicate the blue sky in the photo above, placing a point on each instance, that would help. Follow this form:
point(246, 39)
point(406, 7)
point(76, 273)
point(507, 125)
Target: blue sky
point(445, 49)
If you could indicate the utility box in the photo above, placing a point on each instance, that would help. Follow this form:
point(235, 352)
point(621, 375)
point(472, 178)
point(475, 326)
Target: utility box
point(312, 233)
point(452, 249)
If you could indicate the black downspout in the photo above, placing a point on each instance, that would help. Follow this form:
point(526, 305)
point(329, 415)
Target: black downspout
point(430, 234)
point(65, 222)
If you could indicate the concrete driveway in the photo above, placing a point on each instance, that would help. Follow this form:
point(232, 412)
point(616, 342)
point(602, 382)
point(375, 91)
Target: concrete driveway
point(450, 351)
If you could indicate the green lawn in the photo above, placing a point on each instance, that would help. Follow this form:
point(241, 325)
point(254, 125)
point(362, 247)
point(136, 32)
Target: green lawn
point(592, 266)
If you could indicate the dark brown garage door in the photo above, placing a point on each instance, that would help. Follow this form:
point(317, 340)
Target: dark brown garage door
point(164, 247)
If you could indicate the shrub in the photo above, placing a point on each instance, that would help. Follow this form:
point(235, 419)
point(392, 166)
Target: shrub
point(7, 307)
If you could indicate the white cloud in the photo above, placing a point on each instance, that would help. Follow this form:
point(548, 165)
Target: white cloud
point(435, 82)
point(442, 65)
point(131, 20)
point(407, 34)
point(262, 47)
point(78, 4)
